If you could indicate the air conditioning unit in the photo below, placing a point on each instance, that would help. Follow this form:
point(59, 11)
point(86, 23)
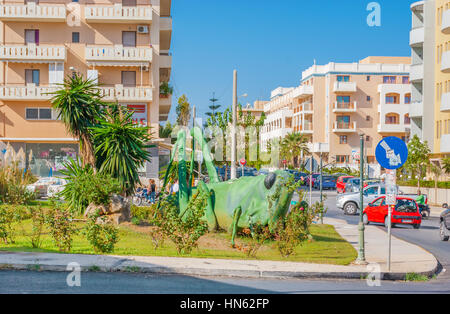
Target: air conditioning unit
point(142, 29)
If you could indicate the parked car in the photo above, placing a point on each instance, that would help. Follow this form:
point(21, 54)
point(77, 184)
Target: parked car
point(312, 178)
point(445, 223)
point(349, 202)
point(352, 185)
point(47, 187)
point(341, 182)
point(405, 212)
point(328, 182)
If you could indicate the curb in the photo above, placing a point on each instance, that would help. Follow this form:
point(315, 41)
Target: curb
point(254, 274)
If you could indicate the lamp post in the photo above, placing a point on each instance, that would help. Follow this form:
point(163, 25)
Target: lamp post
point(361, 252)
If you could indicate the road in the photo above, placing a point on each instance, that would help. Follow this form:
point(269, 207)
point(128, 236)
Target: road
point(48, 282)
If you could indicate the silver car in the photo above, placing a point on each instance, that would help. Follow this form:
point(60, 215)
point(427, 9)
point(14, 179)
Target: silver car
point(349, 202)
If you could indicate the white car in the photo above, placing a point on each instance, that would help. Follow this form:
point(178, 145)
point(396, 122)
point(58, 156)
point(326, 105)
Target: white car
point(47, 187)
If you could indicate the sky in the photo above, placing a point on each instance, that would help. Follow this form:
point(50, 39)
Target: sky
point(270, 43)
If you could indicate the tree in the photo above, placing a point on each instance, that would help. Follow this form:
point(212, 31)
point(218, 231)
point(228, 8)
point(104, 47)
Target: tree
point(79, 107)
point(121, 148)
point(165, 131)
point(165, 89)
point(213, 107)
point(418, 158)
point(446, 165)
point(183, 111)
point(292, 146)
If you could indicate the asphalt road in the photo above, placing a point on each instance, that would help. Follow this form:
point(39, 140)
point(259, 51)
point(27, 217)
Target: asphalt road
point(92, 283)
point(48, 282)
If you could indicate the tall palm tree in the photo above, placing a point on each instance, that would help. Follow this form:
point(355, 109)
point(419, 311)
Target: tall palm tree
point(446, 165)
point(79, 106)
point(292, 147)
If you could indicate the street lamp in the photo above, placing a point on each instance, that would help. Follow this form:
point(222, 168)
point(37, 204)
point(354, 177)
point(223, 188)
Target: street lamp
point(361, 252)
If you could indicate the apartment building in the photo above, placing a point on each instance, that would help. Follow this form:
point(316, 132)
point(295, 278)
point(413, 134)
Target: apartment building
point(122, 44)
point(430, 74)
point(338, 101)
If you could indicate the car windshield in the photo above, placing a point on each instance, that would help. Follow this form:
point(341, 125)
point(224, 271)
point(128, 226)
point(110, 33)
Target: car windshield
point(406, 206)
point(345, 180)
point(355, 181)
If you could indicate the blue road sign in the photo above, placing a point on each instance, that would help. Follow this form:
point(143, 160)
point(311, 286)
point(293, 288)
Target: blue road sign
point(391, 153)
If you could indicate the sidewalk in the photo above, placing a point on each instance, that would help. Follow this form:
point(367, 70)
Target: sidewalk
point(406, 258)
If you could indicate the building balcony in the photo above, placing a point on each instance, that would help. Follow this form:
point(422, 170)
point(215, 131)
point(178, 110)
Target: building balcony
point(445, 62)
point(118, 54)
point(165, 60)
point(128, 94)
point(445, 28)
point(118, 14)
point(303, 91)
point(26, 92)
point(165, 100)
point(344, 87)
point(417, 37)
point(343, 127)
point(416, 73)
point(319, 147)
point(165, 23)
point(32, 52)
point(307, 108)
point(306, 128)
point(445, 102)
point(32, 12)
point(343, 107)
point(392, 128)
point(416, 110)
point(445, 144)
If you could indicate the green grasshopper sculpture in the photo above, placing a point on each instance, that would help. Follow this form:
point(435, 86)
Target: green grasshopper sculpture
point(241, 203)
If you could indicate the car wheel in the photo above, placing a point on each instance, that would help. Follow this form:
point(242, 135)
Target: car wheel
point(387, 222)
point(444, 236)
point(416, 226)
point(350, 209)
point(366, 219)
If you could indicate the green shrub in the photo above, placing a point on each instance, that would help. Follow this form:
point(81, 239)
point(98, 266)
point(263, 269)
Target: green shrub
point(37, 225)
point(259, 235)
point(293, 230)
point(61, 227)
point(84, 187)
point(184, 231)
point(102, 235)
point(142, 213)
point(9, 217)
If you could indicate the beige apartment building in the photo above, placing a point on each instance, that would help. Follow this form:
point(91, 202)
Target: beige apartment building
point(337, 102)
point(122, 44)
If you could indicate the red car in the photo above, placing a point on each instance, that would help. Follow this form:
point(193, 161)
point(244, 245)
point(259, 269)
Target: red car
point(406, 212)
point(340, 183)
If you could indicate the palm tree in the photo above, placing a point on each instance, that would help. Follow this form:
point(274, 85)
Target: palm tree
point(79, 107)
point(121, 147)
point(446, 165)
point(293, 145)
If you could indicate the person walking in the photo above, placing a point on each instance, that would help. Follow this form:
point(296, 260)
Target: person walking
point(152, 191)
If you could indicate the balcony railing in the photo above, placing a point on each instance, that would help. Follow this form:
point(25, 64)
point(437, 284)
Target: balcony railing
point(119, 54)
point(416, 73)
point(417, 37)
point(32, 52)
point(392, 128)
point(118, 14)
point(165, 24)
point(344, 107)
point(344, 87)
point(121, 93)
point(307, 107)
point(344, 126)
point(33, 12)
point(28, 92)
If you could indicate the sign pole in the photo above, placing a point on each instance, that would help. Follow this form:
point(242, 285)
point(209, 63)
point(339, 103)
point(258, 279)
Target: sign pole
point(391, 199)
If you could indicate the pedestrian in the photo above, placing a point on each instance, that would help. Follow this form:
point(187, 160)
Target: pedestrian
point(152, 190)
point(175, 187)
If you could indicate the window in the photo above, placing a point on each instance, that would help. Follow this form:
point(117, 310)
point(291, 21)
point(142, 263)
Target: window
point(392, 118)
point(405, 79)
point(32, 76)
point(367, 138)
point(407, 119)
point(367, 118)
point(343, 139)
point(75, 37)
point(32, 36)
point(368, 78)
point(368, 98)
point(343, 78)
point(407, 99)
point(129, 39)
point(371, 159)
point(342, 159)
point(371, 191)
point(128, 3)
point(392, 99)
point(378, 202)
point(38, 114)
point(389, 79)
point(343, 122)
point(129, 78)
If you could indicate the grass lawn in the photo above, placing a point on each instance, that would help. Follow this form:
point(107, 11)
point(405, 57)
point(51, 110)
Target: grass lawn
point(327, 247)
